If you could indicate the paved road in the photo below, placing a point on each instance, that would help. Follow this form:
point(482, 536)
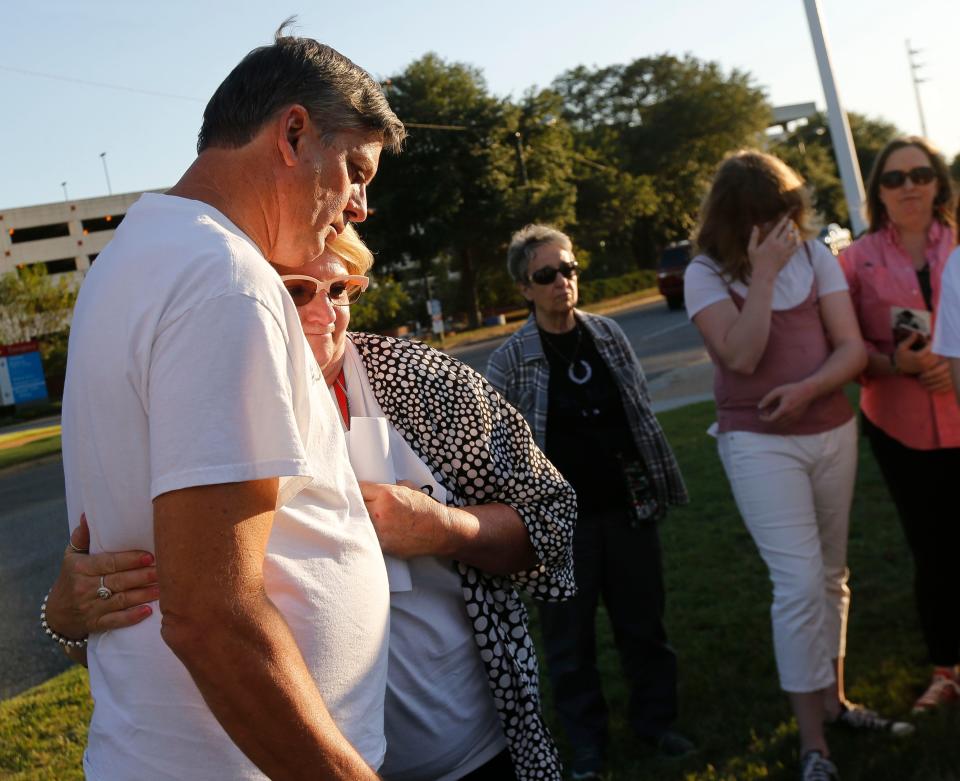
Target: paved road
point(664, 340)
point(32, 538)
point(33, 511)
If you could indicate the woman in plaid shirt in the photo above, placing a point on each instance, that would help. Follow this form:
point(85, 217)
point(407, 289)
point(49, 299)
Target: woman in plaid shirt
point(577, 381)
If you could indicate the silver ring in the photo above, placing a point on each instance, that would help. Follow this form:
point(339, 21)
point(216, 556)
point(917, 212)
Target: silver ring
point(103, 592)
point(76, 549)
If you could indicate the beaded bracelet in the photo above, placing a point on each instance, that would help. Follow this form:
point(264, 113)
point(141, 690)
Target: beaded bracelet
point(63, 641)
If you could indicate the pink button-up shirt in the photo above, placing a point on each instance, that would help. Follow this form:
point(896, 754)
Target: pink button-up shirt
point(881, 275)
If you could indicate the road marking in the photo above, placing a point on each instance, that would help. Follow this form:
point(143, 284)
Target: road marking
point(663, 331)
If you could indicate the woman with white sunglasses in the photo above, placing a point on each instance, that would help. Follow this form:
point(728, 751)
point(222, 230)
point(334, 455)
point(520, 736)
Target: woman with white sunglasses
point(492, 516)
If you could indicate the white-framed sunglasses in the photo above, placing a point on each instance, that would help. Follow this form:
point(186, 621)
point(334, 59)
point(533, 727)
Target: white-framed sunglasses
point(341, 291)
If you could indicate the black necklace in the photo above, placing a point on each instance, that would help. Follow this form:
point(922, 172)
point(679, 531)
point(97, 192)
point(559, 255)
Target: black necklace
point(572, 360)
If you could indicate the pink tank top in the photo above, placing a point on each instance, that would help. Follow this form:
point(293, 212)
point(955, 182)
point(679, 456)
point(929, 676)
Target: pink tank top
point(797, 346)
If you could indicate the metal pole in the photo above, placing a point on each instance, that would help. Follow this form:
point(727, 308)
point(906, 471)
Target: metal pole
point(66, 197)
point(521, 163)
point(839, 127)
point(106, 173)
point(914, 67)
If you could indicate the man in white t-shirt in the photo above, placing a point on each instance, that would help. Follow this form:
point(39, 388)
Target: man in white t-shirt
point(946, 337)
point(196, 424)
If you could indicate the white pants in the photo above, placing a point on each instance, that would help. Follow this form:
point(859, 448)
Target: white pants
point(794, 494)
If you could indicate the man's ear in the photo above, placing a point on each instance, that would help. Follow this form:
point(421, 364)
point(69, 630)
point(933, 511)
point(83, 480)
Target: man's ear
point(292, 126)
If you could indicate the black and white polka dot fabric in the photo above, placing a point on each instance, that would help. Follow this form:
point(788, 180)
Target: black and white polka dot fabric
point(481, 450)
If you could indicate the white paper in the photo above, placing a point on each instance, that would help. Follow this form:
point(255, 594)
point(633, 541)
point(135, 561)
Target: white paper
point(368, 443)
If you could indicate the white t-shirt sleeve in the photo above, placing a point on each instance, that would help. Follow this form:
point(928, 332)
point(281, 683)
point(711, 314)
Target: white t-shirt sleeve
point(826, 268)
point(220, 398)
point(702, 285)
point(946, 338)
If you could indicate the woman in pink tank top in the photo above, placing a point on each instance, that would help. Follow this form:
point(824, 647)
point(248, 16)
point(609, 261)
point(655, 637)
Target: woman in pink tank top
point(777, 320)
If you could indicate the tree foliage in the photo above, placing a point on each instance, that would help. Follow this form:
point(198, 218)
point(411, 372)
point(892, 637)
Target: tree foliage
point(809, 149)
point(458, 191)
point(34, 303)
point(660, 125)
point(384, 304)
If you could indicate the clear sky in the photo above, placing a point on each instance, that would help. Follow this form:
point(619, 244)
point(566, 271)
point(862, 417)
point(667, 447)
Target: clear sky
point(53, 130)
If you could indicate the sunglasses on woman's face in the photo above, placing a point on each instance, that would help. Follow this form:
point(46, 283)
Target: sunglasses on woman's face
point(341, 291)
point(923, 174)
point(546, 275)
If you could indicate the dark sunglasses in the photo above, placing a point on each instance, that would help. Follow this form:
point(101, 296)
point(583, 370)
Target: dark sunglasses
point(546, 275)
point(923, 174)
point(341, 292)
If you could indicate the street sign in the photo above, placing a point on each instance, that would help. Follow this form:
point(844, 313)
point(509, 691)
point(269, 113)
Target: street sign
point(21, 374)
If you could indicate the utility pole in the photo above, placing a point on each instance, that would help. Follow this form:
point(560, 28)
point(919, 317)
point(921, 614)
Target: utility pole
point(839, 127)
point(917, 81)
point(106, 173)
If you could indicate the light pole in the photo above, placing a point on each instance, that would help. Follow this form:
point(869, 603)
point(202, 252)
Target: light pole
point(837, 120)
point(66, 197)
point(106, 173)
point(917, 81)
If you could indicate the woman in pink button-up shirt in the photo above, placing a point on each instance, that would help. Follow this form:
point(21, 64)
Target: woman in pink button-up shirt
point(910, 414)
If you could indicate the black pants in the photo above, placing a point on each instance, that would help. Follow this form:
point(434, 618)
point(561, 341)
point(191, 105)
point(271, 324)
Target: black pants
point(921, 483)
point(623, 566)
point(500, 768)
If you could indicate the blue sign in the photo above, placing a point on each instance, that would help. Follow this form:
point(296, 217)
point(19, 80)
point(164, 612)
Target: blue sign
point(22, 379)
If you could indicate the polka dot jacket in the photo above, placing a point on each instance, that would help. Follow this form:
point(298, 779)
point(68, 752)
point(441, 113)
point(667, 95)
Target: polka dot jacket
point(481, 450)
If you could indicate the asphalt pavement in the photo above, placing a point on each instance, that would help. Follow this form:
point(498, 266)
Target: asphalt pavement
point(33, 534)
point(33, 525)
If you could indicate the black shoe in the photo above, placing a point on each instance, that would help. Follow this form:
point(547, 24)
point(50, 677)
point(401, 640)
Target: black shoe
point(856, 717)
point(587, 764)
point(672, 745)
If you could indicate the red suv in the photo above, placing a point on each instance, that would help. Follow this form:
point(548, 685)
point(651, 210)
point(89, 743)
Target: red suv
point(673, 262)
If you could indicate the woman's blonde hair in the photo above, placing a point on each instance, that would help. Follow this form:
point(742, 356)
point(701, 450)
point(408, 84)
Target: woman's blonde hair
point(350, 250)
point(750, 188)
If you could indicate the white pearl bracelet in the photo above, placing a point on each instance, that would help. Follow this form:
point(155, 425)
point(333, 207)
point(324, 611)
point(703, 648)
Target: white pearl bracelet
point(63, 641)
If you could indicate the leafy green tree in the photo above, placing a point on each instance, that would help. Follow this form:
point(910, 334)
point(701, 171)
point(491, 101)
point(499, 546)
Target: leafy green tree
point(809, 149)
point(34, 303)
point(466, 179)
point(385, 303)
point(663, 123)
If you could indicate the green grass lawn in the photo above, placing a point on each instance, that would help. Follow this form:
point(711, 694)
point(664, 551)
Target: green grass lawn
point(718, 619)
point(29, 451)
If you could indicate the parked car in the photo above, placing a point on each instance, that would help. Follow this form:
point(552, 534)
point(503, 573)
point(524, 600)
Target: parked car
point(835, 237)
point(673, 262)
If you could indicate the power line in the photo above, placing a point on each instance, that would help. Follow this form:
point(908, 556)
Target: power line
point(101, 84)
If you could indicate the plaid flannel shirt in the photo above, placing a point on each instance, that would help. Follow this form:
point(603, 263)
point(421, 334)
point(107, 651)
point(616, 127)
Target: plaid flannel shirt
point(520, 371)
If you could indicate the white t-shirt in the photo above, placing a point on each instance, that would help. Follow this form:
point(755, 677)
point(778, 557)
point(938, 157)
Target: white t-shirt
point(188, 366)
point(704, 284)
point(946, 337)
point(441, 722)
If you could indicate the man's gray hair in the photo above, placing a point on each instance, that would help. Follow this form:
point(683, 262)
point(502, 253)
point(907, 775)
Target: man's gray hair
point(337, 94)
point(525, 243)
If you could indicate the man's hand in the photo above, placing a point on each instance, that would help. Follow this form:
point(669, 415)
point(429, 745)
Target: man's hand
point(407, 521)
